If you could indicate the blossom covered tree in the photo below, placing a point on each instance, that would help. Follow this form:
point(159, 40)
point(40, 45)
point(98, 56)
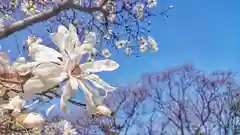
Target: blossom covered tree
point(82, 31)
point(118, 24)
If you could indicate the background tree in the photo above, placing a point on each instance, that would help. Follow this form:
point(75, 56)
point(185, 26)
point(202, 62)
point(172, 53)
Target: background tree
point(184, 101)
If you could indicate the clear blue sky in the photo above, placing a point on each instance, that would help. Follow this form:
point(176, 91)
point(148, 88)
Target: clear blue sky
point(203, 32)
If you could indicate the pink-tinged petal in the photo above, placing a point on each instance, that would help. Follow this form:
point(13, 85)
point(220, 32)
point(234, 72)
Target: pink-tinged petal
point(99, 66)
point(33, 120)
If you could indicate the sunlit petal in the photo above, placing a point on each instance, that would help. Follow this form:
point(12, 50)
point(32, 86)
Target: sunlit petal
point(50, 109)
point(99, 66)
point(63, 105)
point(97, 97)
point(38, 85)
point(33, 120)
point(43, 53)
point(68, 91)
point(99, 83)
point(74, 83)
point(47, 69)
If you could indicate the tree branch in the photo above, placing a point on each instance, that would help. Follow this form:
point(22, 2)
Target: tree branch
point(45, 15)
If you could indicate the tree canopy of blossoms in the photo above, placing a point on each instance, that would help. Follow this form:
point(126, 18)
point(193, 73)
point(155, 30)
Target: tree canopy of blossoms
point(84, 33)
point(117, 23)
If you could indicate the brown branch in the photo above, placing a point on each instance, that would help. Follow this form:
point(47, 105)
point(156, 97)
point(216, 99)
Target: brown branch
point(45, 15)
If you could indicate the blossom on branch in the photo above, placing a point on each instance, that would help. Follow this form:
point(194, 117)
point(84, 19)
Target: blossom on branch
point(64, 67)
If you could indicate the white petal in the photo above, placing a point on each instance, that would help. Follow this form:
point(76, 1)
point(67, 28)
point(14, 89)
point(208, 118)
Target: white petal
point(23, 67)
point(63, 105)
point(4, 57)
point(33, 120)
point(90, 38)
point(6, 106)
point(43, 53)
point(98, 82)
point(37, 85)
point(88, 98)
point(2, 90)
point(47, 69)
point(58, 39)
point(74, 83)
point(97, 97)
point(84, 89)
point(4, 62)
point(50, 109)
point(62, 29)
point(68, 91)
point(90, 106)
point(99, 66)
point(89, 44)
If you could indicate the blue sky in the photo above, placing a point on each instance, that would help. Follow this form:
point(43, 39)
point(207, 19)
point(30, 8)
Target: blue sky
point(205, 33)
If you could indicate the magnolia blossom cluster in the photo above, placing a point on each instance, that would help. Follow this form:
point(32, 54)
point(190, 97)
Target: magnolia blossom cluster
point(50, 68)
point(146, 43)
point(140, 8)
point(62, 127)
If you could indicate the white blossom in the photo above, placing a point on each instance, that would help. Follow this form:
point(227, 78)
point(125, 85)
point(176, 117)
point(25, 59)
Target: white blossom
point(153, 44)
point(106, 53)
point(152, 3)
point(121, 43)
point(128, 51)
point(16, 104)
point(68, 129)
point(138, 10)
point(65, 66)
point(28, 7)
point(143, 48)
point(31, 120)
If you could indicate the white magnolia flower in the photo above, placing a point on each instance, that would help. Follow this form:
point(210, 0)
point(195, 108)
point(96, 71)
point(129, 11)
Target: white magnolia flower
point(121, 43)
point(64, 66)
point(106, 53)
point(143, 48)
point(110, 6)
point(153, 44)
point(30, 120)
point(152, 3)
point(139, 10)
point(143, 41)
point(112, 17)
point(28, 7)
point(68, 129)
point(171, 6)
point(102, 110)
point(128, 51)
point(14, 3)
point(16, 104)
